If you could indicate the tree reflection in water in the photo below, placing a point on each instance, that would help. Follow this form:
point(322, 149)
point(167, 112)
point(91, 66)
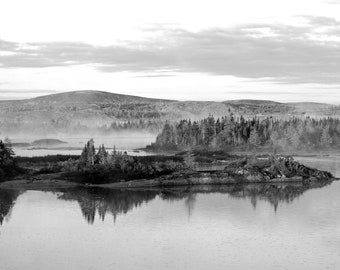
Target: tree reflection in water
point(101, 201)
point(7, 201)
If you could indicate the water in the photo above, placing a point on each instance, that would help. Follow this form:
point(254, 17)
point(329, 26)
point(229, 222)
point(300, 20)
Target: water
point(52, 151)
point(329, 163)
point(220, 227)
point(74, 145)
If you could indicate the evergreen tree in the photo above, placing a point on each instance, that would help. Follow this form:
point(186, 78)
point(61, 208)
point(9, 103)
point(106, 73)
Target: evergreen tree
point(326, 139)
point(102, 155)
point(88, 155)
point(6, 153)
point(254, 138)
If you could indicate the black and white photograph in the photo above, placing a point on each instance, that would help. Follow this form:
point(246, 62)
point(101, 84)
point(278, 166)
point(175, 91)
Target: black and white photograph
point(169, 135)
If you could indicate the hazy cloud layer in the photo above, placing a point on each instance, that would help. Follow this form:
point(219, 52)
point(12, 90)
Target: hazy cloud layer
point(20, 91)
point(333, 2)
point(308, 53)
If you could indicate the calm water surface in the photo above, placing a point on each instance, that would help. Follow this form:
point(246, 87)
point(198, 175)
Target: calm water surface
point(228, 227)
point(74, 145)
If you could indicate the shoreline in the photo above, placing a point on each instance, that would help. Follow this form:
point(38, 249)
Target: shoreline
point(38, 184)
point(46, 184)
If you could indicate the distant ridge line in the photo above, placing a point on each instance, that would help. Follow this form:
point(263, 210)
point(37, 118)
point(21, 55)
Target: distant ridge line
point(110, 96)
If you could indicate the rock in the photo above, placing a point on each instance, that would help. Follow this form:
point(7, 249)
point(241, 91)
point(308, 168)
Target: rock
point(274, 167)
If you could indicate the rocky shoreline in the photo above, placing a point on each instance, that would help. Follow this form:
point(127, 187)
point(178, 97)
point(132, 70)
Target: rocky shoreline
point(241, 170)
point(203, 179)
point(207, 179)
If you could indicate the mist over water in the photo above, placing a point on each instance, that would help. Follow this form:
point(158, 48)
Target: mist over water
point(124, 141)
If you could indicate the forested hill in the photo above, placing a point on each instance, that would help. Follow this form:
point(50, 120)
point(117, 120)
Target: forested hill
point(239, 133)
point(81, 110)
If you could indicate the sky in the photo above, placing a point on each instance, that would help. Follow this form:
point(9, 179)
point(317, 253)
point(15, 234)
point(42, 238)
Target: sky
point(287, 51)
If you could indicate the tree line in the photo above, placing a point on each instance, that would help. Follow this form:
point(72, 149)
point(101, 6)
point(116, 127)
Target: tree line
point(151, 125)
point(238, 132)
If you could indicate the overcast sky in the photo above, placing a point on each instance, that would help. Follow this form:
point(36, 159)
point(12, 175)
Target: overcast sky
point(287, 50)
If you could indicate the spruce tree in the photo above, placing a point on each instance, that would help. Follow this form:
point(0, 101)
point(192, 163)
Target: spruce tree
point(6, 153)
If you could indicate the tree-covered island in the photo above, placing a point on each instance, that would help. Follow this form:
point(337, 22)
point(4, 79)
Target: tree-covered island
point(237, 133)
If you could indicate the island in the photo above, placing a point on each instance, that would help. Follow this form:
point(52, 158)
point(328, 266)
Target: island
point(98, 167)
point(40, 143)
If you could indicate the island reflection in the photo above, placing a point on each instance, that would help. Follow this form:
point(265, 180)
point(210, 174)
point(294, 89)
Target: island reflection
point(93, 201)
point(7, 201)
point(101, 202)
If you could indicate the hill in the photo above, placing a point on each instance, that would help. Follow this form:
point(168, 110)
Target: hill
point(92, 97)
point(252, 102)
point(79, 111)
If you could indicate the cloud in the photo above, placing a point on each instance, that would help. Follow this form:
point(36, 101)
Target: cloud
point(264, 94)
point(320, 20)
point(21, 91)
point(154, 76)
point(308, 53)
point(333, 2)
